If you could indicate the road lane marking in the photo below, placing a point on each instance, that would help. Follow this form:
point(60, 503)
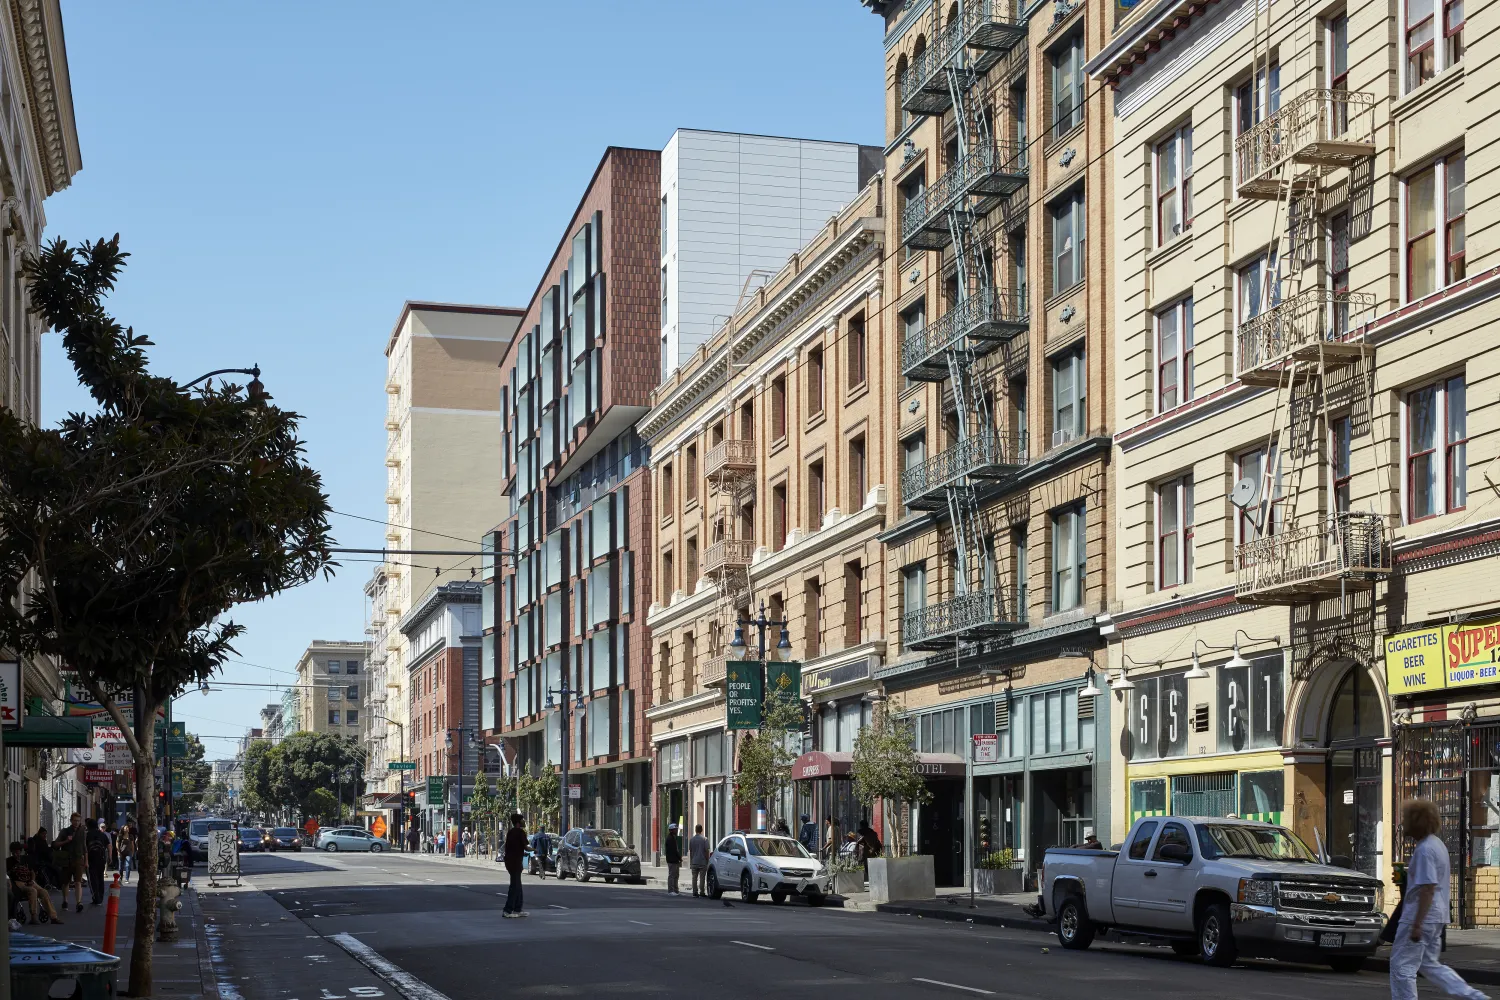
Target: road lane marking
point(556, 907)
point(759, 947)
point(406, 984)
point(953, 986)
point(641, 922)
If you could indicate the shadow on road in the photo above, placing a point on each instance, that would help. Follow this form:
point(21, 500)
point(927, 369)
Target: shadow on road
point(277, 864)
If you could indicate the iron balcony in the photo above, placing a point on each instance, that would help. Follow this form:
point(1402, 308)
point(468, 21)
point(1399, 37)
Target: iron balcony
point(728, 554)
point(1308, 326)
point(1325, 128)
point(1322, 557)
point(972, 42)
point(989, 172)
point(988, 455)
point(965, 617)
point(729, 457)
point(987, 318)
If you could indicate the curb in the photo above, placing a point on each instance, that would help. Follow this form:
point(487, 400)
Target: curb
point(1486, 977)
point(962, 914)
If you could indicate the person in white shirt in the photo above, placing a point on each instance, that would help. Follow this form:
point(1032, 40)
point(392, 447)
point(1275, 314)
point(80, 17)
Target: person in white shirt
point(1424, 910)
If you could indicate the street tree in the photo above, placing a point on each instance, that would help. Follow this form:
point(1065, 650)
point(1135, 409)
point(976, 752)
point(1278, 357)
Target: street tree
point(484, 809)
point(886, 770)
point(128, 533)
point(766, 756)
point(196, 774)
point(536, 794)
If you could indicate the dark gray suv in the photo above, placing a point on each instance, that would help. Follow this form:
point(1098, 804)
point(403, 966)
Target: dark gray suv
point(587, 853)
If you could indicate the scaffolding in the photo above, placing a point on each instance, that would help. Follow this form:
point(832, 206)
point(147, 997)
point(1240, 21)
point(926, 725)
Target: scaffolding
point(1296, 340)
point(947, 79)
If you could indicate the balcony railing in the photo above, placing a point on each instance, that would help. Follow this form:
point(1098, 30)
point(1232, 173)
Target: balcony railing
point(991, 27)
point(1305, 327)
point(990, 171)
point(1315, 559)
point(731, 553)
point(988, 319)
point(1323, 127)
point(967, 616)
point(732, 456)
point(713, 670)
point(989, 454)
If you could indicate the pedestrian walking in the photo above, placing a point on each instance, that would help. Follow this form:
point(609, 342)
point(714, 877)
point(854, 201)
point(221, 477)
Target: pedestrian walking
point(72, 844)
point(831, 841)
point(97, 844)
point(1419, 935)
point(807, 835)
point(515, 855)
point(182, 851)
point(673, 852)
point(442, 842)
point(698, 852)
point(541, 852)
point(413, 839)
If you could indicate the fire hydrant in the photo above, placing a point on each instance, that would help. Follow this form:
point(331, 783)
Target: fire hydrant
point(168, 902)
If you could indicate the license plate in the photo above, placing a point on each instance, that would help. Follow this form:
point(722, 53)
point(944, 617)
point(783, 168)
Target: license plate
point(615, 869)
point(1330, 940)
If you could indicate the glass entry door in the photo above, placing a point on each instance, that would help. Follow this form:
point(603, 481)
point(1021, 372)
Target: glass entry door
point(1354, 806)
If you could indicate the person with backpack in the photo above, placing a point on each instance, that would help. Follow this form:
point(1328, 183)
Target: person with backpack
point(97, 845)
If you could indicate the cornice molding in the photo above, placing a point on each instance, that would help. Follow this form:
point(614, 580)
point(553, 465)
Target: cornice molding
point(38, 27)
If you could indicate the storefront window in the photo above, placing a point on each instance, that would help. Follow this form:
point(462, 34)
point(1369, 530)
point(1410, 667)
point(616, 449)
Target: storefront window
point(1262, 795)
point(1148, 797)
point(1204, 794)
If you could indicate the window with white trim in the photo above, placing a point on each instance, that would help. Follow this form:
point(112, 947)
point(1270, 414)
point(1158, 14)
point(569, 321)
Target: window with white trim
point(1435, 460)
point(1430, 45)
point(1434, 227)
point(1264, 516)
point(1174, 533)
point(1173, 170)
point(1067, 84)
point(1069, 396)
point(1259, 287)
point(1069, 557)
point(1174, 355)
point(1067, 241)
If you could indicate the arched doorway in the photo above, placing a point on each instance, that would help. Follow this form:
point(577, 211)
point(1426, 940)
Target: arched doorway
point(1356, 722)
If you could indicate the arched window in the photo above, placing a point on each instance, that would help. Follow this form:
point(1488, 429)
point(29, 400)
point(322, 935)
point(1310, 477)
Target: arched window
point(902, 117)
point(1357, 712)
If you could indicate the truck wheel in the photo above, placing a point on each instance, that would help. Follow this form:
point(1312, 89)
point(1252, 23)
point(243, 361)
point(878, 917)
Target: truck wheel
point(1074, 928)
point(1216, 936)
point(1185, 948)
point(1347, 964)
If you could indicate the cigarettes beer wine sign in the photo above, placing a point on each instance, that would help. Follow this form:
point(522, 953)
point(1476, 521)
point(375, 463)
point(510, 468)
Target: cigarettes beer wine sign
point(1443, 656)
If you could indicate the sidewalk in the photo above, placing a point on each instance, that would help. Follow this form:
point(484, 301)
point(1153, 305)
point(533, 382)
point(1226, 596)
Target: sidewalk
point(1473, 954)
point(182, 967)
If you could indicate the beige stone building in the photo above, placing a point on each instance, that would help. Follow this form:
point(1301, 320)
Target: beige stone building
point(769, 458)
point(442, 489)
point(332, 677)
point(1306, 362)
point(1000, 302)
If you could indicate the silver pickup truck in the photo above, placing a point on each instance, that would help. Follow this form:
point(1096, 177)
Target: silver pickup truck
point(1220, 888)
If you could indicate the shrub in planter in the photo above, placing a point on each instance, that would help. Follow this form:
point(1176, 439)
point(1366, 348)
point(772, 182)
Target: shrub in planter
point(997, 874)
point(848, 876)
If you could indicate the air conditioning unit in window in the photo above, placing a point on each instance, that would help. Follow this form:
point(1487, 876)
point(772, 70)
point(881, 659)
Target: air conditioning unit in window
point(1062, 436)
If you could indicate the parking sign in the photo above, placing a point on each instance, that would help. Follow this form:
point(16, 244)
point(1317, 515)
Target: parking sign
point(986, 748)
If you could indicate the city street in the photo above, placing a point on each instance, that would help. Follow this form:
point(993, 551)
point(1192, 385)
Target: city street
point(320, 927)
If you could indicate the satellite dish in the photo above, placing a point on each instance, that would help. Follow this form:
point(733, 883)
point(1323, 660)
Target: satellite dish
point(1243, 494)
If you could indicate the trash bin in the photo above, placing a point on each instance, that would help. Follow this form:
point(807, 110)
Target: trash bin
point(47, 969)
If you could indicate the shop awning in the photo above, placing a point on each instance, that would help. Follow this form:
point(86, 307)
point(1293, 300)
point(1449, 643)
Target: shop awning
point(833, 764)
point(51, 731)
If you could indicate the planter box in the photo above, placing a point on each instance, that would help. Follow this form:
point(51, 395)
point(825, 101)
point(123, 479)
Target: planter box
point(902, 878)
point(999, 881)
point(845, 883)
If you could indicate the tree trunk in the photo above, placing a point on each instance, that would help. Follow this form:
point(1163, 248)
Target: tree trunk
point(145, 892)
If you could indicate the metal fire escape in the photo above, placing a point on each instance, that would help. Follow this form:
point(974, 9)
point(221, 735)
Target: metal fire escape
point(1305, 339)
point(947, 79)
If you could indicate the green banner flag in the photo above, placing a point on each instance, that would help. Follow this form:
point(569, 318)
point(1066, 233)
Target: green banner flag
point(784, 682)
point(743, 692)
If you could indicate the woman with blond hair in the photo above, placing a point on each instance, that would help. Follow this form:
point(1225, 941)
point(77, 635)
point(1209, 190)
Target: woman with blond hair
point(1424, 911)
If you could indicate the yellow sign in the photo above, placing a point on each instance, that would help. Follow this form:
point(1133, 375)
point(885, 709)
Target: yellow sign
point(1472, 653)
point(1414, 661)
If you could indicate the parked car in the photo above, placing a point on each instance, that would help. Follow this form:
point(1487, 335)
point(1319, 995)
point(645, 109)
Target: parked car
point(586, 852)
point(350, 838)
point(757, 862)
point(198, 831)
point(534, 863)
point(251, 839)
point(284, 838)
point(1220, 888)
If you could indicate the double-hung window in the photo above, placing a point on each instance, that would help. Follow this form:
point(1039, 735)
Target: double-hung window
point(1255, 99)
point(1174, 185)
point(1338, 270)
point(1067, 241)
point(1341, 446)
point(1426, 54)
point(1436, 460)
point(1260, 287)
point(1435, 227)
point(1067, 84)
point(1174, 355)
point(1069, 397)
point(1174, 533)
point(1069, 557)
point(1263, 517)
point(913, 588)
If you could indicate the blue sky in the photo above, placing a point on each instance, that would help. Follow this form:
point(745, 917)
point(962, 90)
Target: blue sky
point(285, 175)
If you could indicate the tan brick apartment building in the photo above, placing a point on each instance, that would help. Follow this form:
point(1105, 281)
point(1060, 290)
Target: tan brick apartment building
point(769, 455)
point(1000, 299)
point(331, 683)
point(1307, 357)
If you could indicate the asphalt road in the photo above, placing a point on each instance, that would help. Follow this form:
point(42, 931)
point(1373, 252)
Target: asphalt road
point(316, 927)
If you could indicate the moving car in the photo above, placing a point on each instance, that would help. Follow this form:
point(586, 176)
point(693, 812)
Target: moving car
point(284, 838)
point(251, 839)
point(760, 862)
point(350, 838)
point(586, 852)
point(198, 831)
point(1220, 888)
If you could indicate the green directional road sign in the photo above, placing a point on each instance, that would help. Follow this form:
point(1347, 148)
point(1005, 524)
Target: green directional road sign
point(401, 765)
point(435, 788)
point(743, 691)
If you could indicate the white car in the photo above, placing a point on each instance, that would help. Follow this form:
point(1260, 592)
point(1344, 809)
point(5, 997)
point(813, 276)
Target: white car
point(755, 863)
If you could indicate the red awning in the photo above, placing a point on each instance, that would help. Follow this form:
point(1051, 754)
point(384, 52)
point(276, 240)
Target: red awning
point(825, 764)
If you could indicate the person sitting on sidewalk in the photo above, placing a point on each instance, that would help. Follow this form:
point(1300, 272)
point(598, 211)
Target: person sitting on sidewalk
point(22, 873)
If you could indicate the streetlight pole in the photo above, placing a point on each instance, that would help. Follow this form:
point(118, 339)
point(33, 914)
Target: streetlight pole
point(464, 732)
point(565, 693)
point(761, 624)
point(401, 781)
